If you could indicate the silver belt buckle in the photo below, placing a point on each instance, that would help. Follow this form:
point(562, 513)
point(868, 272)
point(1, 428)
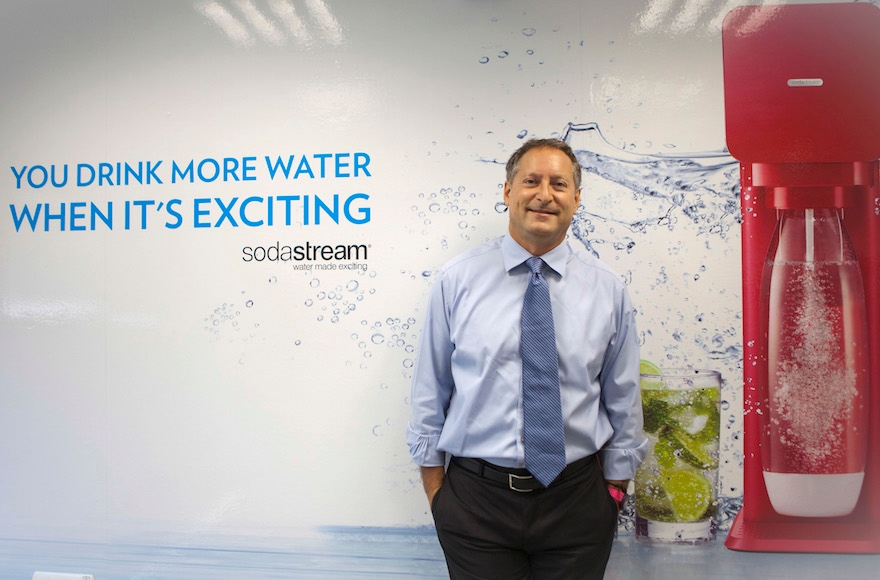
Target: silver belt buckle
point(512, 477)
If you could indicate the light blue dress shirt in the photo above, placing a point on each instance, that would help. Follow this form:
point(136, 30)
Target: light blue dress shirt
point(467, 382)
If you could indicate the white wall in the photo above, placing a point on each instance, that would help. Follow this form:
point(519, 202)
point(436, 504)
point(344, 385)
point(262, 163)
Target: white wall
point(152, 379)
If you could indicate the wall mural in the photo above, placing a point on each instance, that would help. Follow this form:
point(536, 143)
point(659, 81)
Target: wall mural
point(221, 220)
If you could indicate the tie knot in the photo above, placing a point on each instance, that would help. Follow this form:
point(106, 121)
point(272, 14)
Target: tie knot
point(536, 265)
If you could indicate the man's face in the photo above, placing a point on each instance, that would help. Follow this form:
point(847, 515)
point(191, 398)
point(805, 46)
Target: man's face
point(541, 200)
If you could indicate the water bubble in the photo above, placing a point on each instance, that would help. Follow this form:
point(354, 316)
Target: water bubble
point(503, 54)
point(522, 134)
point(378, 338)
point(484, 59)
point(309, 302)
point(272, 279)
point(249, 303)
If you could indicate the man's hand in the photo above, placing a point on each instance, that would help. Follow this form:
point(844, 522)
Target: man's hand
point(621, 483)
point(432, 479)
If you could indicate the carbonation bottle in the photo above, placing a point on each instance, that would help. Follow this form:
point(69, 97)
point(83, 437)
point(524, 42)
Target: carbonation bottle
point(814, 414)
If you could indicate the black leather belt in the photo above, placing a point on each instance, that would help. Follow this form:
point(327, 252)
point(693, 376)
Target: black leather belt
point(516, 479)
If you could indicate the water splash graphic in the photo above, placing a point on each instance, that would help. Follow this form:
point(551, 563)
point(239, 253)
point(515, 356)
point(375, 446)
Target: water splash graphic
point(702, 188)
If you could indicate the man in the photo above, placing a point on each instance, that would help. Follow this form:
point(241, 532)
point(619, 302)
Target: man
point(473, 394)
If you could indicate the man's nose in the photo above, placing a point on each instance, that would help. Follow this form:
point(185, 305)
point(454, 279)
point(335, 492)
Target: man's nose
point(543, 193)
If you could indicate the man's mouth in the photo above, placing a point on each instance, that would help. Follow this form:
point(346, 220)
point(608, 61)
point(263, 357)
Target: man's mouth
point(543, 211)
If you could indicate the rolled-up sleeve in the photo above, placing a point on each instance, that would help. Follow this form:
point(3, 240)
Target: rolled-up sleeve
point(621, 397)
point(432, 384)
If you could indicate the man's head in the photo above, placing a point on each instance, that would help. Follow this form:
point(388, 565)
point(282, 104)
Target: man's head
point(542, 192)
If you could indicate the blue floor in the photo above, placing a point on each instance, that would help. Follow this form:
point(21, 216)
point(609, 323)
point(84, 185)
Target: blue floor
point(370, 553)
point(631, 559)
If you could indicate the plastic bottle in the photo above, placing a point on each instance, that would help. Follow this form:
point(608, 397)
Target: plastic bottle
point(814, 416)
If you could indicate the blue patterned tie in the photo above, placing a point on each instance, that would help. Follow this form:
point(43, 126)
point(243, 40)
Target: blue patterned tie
point(542, 411)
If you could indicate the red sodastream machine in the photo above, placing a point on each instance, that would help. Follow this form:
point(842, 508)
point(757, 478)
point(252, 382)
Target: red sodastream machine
point(802, 108)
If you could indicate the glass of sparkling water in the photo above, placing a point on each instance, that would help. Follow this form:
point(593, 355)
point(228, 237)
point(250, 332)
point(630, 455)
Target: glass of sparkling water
point(676, 488)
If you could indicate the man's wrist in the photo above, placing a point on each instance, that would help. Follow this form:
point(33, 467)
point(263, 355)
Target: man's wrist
point(622, 484)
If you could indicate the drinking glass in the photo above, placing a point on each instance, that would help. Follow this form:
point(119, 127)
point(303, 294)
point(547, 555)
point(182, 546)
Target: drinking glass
point(676, 488)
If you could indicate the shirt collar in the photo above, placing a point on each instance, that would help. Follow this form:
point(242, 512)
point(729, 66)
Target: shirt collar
point(514, 255)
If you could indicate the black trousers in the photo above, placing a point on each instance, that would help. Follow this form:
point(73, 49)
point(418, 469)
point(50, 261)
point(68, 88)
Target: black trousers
point(489, 531)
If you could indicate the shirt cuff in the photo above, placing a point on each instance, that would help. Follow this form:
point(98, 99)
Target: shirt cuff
point(423, 448)
point(622, 463)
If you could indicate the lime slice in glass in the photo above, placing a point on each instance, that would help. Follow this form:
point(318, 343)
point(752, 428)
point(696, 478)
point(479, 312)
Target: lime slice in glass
point(664, 451)
point(689, 493)
point(651, 500)
point(648, 368)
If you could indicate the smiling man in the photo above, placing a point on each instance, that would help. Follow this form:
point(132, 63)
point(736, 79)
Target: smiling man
point(526, 420)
